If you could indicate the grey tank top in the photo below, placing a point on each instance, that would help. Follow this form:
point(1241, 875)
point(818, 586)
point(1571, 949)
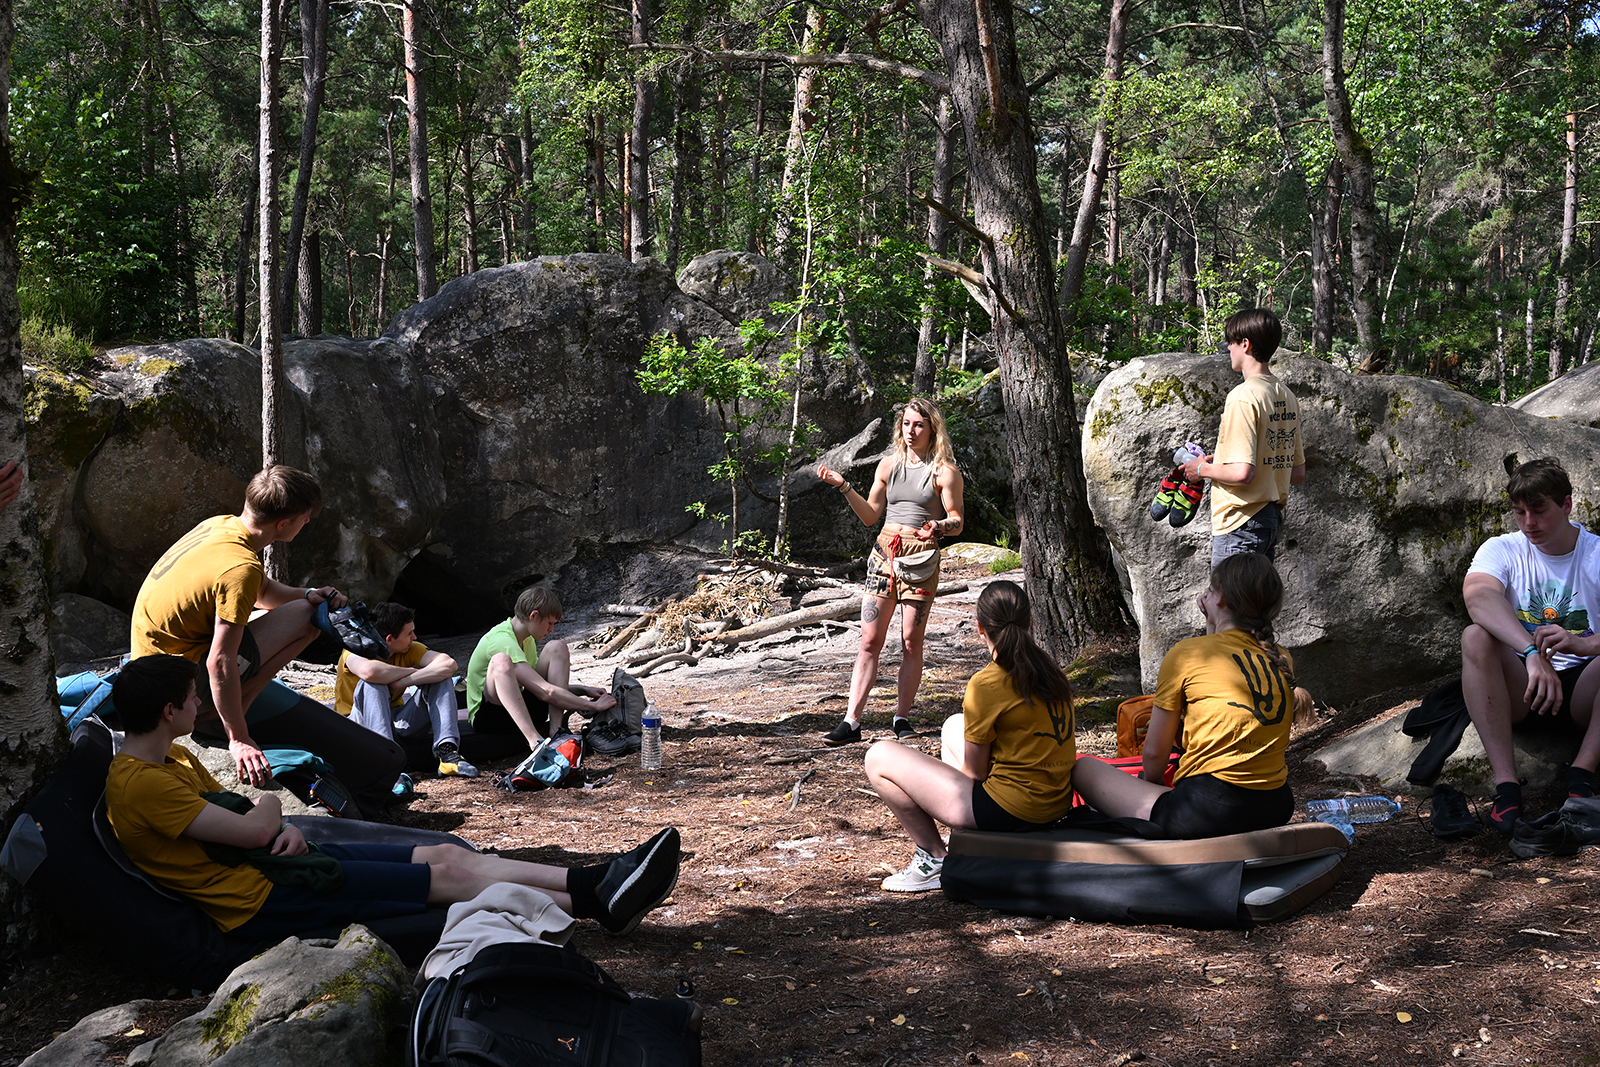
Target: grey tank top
point(913, 498)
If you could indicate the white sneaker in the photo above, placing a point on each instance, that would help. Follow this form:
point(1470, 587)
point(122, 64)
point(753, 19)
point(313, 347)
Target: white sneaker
point(920, 876)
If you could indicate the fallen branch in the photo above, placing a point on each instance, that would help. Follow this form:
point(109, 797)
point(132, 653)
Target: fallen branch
point(794, 799)
point(626, 609)
point(795, 569)
point(834, 609)
point(663, 661)
point(657, 652)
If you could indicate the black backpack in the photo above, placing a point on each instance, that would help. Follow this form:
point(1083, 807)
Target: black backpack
point(525, 1004)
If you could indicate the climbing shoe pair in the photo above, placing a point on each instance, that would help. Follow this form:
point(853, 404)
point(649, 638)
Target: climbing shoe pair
point(1177, 500)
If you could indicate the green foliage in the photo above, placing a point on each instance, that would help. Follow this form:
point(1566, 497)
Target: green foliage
point(54, 345)
point(1007, 561)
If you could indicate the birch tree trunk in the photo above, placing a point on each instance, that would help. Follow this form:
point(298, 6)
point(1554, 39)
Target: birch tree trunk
point(1099, 158)
point(805, 85)
point(1356, 154)
point(924, 377)
point(417, 129)
point(314, 72)
point(275, 557)
point(31, 735)
point(1065, 556)
point(1569, 232)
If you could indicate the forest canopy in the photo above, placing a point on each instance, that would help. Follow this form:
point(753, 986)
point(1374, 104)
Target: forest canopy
point(673, 129)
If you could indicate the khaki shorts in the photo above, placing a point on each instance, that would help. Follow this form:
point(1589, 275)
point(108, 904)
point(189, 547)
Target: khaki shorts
point(881, 582)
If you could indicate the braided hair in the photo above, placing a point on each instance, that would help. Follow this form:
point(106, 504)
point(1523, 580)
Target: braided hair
point(1006, 617)
point(1253, 593)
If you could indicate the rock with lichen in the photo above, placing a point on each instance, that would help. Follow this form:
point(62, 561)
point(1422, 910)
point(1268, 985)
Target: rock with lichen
point(338, 1002)
point(1405, 477)
point(1574, 397)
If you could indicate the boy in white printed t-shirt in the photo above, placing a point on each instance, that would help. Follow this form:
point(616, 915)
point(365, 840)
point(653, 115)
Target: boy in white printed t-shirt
point(1533, 596)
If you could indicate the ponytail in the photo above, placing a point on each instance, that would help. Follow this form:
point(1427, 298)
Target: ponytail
point(1253, 593)
point(1006, 617)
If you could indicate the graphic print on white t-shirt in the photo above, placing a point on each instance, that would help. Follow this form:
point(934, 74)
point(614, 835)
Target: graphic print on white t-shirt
point(1546, 590)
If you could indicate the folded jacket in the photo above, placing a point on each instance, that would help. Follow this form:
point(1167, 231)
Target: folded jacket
point(315, 870)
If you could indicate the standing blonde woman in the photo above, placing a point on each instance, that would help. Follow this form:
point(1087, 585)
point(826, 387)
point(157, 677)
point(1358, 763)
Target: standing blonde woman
point(917, 494)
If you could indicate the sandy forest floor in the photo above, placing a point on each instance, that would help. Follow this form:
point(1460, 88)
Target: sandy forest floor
point(1426, 952)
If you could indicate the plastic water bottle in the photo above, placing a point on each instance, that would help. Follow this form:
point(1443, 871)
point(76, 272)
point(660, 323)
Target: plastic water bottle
point(1188, 452)
point(1343, 812)
point(650, 739)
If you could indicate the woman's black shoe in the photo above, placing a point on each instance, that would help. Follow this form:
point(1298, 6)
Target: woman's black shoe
point(843, 734)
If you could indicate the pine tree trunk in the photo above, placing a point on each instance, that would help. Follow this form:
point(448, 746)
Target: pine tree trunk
point(31, 734)
point(1324, 239)
point(314, 43)
point(1065, 556)
point(469, 203)
point(1355, 153)
point(530, 240)
point(758, 156)
point(1099, 159)
point(151, 14)
point(417, 130)
point(310, 285)
point(924, 377)
point(248, 223)
point(641, 232)
point(267, 251)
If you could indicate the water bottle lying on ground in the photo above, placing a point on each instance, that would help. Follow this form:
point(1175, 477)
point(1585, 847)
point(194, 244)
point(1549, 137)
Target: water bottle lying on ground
point(1343, 812)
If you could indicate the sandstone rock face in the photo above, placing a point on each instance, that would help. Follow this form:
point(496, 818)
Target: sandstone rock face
point(1405, 478)
point(738, 285)
point(86, 1042)
point(1573, 397)
point(493, 436)
point(1381, 750)
point(83, 629)
point(303, 1002)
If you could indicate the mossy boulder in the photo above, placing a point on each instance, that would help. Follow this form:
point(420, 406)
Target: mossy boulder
point(1573, 397)
point(738, 285)
point(337, 1002)
point(1405, 478)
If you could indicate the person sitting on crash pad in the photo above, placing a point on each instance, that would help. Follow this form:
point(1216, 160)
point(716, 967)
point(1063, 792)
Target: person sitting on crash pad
point(156, 801)
point(1016, 767)
point(1233, 690)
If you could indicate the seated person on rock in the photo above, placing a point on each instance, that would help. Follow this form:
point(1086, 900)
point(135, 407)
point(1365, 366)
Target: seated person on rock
point(1016, 767)
point(156, 797)
point(515, 687)
point(1233, 690)
point(374, 692)
point(1533, 597)
point(196, 603)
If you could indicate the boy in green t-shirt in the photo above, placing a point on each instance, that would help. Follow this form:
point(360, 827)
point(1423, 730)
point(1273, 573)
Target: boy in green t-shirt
point(516, 688)
point(155, 800)
point(1259, 452)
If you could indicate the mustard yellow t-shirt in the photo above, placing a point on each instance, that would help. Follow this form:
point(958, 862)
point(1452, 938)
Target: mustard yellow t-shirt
point(150, 805)
point(212, 572)
point(1260, 425)
point(344, 683)
point(1236, 709)
point(1032, 747)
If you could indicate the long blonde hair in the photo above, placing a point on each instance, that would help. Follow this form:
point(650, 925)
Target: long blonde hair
point(942, 453)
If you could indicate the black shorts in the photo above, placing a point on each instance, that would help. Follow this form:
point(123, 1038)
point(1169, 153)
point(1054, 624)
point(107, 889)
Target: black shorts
point(1203, 805)
point(491, 718)
point(1569, 685)
point(989, 816)
point(380, 882)
point(249, 659)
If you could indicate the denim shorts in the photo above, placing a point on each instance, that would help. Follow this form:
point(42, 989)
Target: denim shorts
point(1261, 533)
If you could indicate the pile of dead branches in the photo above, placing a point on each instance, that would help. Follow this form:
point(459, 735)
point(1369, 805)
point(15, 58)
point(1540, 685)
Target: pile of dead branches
point(726, 609)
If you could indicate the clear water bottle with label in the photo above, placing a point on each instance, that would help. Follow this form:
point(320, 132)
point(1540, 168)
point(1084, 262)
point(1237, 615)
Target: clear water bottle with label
point(1343, 812)
point(650, 739)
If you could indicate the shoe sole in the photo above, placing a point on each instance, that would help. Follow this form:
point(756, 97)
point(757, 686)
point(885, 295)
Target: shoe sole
point(927, 887)
point(639, 872)
point(840, 742)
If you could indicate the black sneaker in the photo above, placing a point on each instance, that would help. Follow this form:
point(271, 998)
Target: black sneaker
point(1450, 816)
point(331, 794)
point(1548, 835)
point(639, 880)
point(843, 734)
point(1503, 814)
point(904, 729)
point(607, 739)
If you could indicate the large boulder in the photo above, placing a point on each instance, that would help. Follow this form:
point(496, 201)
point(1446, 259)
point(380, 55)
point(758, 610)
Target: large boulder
point(1405, 478)
point(83, 629)
point(1574, 397)
point(738, 285)
point(302, 1002)
point(89, 1039)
